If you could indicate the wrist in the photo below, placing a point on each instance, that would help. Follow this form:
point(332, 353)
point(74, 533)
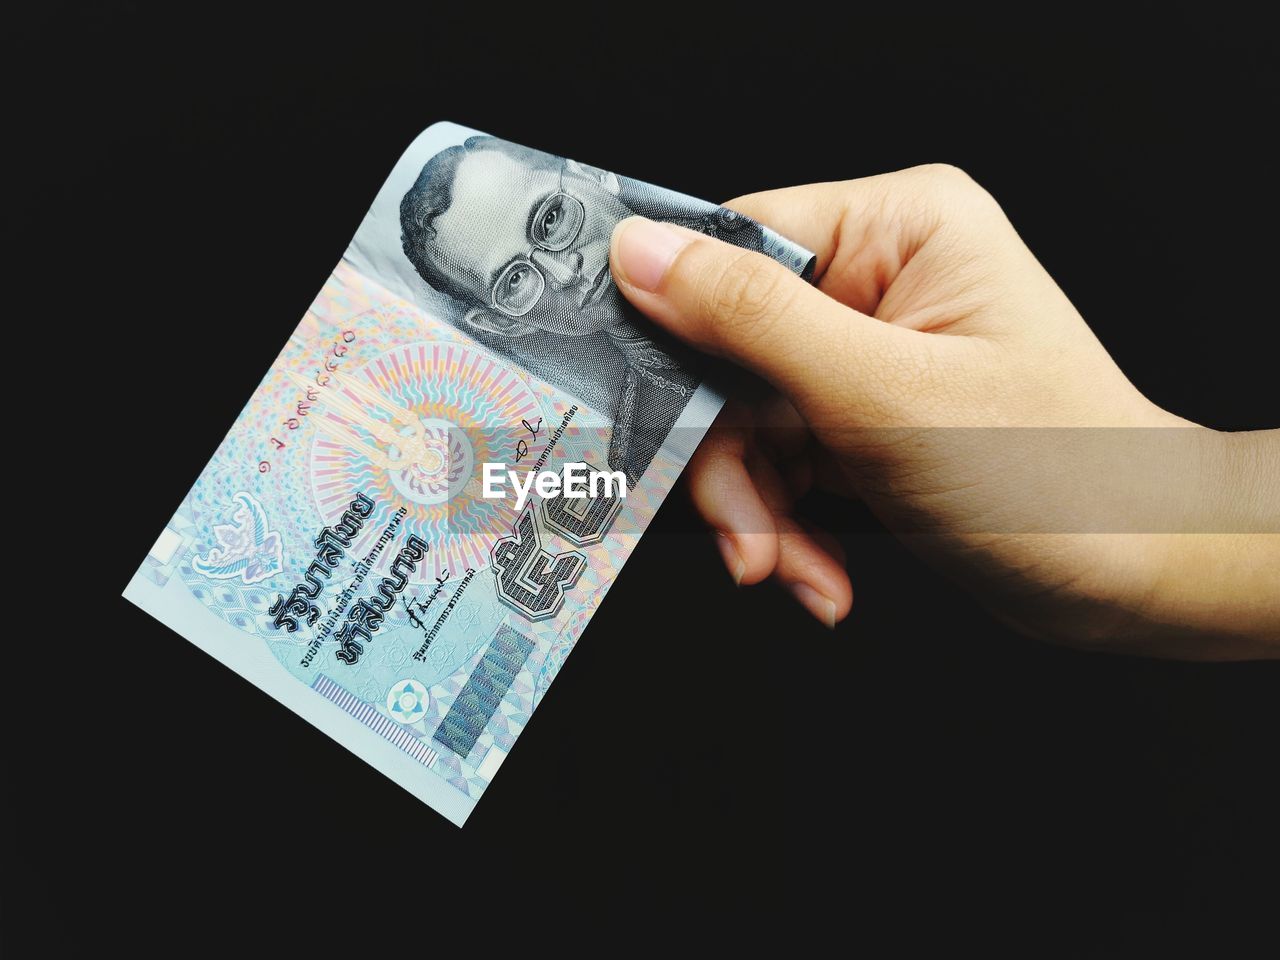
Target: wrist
point(1206, 588)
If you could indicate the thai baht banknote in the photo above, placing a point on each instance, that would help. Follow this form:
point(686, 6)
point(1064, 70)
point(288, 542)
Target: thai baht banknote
point(341, 549)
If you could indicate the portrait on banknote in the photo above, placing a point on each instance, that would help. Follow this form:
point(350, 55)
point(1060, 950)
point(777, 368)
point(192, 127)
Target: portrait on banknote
point(520, 239)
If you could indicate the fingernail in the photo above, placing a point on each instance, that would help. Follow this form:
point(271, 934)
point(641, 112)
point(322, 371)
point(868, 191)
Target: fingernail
point(646, 249)
point(732, 559)
point(815, 603)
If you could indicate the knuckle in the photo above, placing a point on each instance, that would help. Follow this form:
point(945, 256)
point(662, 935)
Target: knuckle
point(949, 175)
point(949, 192)
point(949, 181)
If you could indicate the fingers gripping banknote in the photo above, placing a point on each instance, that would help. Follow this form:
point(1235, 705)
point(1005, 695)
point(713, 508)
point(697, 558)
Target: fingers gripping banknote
point(341, 549)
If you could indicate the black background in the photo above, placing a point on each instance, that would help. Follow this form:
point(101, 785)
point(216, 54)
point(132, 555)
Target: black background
point(711, 763)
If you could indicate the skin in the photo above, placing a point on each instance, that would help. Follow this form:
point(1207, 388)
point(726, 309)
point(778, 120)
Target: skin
point(501, 193)
point(929, 313)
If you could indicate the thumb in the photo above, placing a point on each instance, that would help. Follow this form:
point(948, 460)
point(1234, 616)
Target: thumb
point(750, 309)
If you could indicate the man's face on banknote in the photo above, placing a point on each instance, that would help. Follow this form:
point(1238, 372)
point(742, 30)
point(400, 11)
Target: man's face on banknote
point(524, 238)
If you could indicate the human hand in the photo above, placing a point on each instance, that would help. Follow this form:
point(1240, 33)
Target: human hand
point(930, 332)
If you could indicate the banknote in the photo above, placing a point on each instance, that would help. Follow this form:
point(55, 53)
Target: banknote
point(367, 544)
